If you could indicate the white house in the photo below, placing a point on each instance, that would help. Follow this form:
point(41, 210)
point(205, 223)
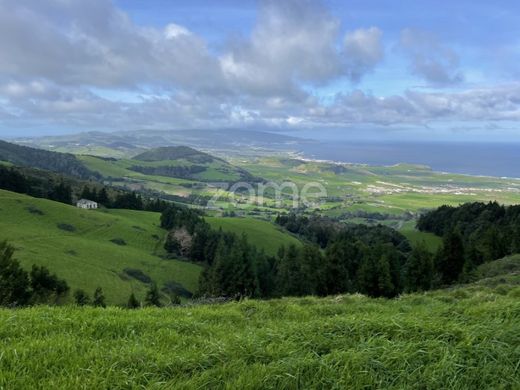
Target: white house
point(87, 204)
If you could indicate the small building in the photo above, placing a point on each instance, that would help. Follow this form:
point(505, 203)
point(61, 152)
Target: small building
point(87, 204)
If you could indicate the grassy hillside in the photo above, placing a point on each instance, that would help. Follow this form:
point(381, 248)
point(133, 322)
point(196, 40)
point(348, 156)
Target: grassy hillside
point(465, 338)
point(170, 162)
point(91, 248)
point(430, 240)
point(262, 234)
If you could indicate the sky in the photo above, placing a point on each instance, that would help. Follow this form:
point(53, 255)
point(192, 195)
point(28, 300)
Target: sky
point(371, 69)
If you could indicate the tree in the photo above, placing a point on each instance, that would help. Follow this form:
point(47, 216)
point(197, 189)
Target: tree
point(419, 270)
point(14, 281)
point(374, 277)
point(103, 197)
point(61, 193)
point(289, 275)
point(99, 298)
point(311, 270)
point(153, 297)
point(341, 262)
point(450, 258)
point(81, 297)
point(86, 193)
point(172, 245)
point(133, 303)
point(174, 299)
point(45, 285)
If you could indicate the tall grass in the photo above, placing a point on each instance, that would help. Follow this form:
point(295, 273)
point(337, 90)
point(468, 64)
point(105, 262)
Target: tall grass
point(466, 338)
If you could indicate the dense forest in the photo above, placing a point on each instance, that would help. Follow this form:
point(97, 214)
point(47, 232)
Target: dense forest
point(64, 163)
point(377, 261)
point(338, 258)
point(473, 233)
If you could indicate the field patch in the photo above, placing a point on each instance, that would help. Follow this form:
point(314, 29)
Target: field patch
point(262, 234)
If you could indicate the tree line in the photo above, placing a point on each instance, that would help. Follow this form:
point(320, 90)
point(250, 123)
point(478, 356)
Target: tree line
point(377, 261)
point(473, 233)
point(42, 184)
point(336, 258)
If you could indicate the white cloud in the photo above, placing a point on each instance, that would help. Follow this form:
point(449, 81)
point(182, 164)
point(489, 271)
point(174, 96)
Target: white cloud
point(429, 59)
point(363, 50)
point(57, 55)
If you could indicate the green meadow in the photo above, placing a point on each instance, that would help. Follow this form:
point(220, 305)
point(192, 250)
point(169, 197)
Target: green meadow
point(462, 338)
point(429, 240)
point(91, 248)
point(262, 234)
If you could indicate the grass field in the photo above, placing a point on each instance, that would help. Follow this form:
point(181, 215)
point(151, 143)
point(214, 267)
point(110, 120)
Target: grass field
point(264, 235)
point(430, 240)
point(77, 245)
point(462, 338)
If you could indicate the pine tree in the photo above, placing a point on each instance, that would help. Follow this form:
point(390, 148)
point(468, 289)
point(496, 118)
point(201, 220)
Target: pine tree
point(45, 285)
point(61, 193)
point(153, 297)
point(515, 238)
point(81, 297)
point(341, 263)
point(419, 269)
point(103, 197)
point(451, 258)
point(99, 298)
point(133, 303)
point(374, 277)
point(311, 270)
point(14, 281)
point(86, 194)
point(289, 277)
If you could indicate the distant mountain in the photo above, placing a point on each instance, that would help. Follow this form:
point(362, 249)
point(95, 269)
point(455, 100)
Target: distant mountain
point(131, 143)
point(25, 156)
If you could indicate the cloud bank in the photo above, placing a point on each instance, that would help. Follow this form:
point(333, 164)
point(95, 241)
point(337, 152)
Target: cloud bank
point(86, 65)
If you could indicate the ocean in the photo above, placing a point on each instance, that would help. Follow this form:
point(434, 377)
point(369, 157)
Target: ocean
point(486, 159)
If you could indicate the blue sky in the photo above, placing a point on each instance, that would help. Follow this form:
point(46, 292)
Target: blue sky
point(411, 70)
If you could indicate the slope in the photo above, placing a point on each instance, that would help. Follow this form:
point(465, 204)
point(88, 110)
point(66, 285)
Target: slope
point(92, 248)
point(264, 235)
point(25, 156)
point(462, 339)
point(178, 162)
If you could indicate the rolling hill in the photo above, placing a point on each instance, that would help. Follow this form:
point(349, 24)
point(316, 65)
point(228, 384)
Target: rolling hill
point(176, 162)
point(262, 234)
point(118, 250)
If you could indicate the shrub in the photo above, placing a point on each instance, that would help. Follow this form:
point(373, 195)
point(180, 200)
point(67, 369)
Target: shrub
point(81, 298)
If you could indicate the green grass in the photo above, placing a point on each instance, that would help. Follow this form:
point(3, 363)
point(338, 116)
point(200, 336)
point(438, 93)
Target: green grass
point(506, 266)
point(264, 235)
point(464, 338)
point(86, 257)
point(430, 240)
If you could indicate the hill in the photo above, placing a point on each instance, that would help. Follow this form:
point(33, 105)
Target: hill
point(465, 338)
point(180, 171)
point(118, 250)
point(262, 234)
point(174, 153)
point(25, 156)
